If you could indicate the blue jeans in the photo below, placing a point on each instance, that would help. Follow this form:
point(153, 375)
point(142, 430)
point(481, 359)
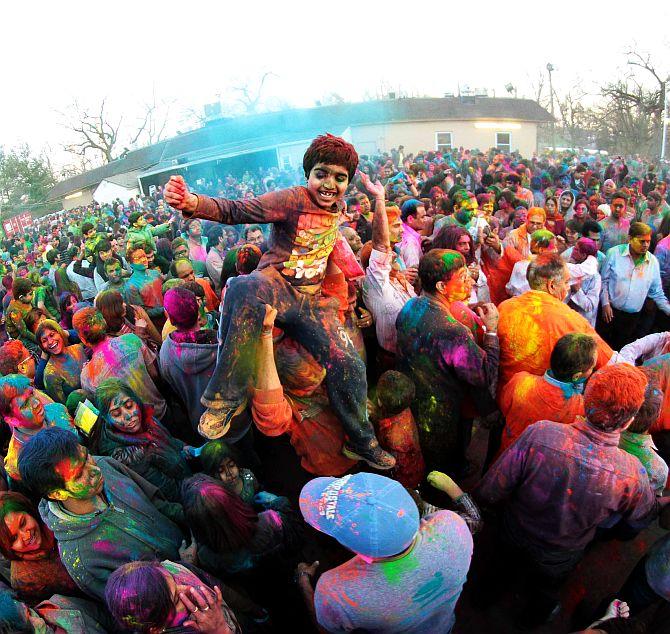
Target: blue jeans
point(312, 321)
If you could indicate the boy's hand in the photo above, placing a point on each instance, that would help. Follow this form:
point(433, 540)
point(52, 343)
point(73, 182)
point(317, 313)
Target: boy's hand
point(376, 188)
point(177, 195)
point(270, 316)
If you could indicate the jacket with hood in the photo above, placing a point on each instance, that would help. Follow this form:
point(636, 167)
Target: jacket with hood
point(73, 615)
point(187, 364)
point(133, 526)
point(152, 453)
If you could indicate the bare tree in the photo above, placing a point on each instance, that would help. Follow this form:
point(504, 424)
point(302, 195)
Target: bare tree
point(250, 96)
point(100, 136)
point(97, 134)
point(631, 115)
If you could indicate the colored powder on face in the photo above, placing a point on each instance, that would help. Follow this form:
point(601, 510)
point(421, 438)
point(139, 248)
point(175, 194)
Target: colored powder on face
point(68, 469)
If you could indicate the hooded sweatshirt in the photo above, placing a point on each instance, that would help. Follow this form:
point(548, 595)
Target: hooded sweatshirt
point(130, 528)
point(152, 453)
point(187, 367)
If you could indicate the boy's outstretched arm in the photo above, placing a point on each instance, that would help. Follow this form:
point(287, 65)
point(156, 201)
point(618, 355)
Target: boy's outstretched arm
point(270, 207)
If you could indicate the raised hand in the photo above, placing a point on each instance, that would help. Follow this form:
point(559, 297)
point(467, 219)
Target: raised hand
point(177, 195)
point(376, 188)
point(208, 613)
point(270, 316)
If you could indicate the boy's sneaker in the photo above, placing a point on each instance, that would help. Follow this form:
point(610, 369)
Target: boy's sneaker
point(375, 456)
point(215, 423)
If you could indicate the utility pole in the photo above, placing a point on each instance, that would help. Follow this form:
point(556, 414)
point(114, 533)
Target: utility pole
point(550, 69)
point(664, 128)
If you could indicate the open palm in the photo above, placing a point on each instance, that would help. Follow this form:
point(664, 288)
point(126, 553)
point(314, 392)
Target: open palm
point(376, 188)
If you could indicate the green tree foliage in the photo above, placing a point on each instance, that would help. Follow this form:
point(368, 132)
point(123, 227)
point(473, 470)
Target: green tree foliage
point(25, 179)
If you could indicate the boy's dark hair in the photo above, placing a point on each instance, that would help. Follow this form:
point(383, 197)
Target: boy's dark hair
point(51, 256)
point(21, 286)
point(103, 245)
point(591, 226)
point(575, 225)
point(86, 227)
point(620, 193)
point(395, 392)
point(330, 150)
point(214, 452)
point(438, 265)
point(651, 408)
point(134, 217)
point(41, 454)
point(572, 354)
point(251, 228)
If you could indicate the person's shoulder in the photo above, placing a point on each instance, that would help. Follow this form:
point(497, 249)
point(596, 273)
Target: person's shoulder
point(523, 378)
point(128, 338)
point(546, 430)
point(617, 249)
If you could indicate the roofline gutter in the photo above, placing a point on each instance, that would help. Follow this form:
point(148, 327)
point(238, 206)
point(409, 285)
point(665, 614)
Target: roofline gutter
point(217, 157)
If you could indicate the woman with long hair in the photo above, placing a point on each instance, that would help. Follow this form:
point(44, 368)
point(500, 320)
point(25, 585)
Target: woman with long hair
point(127, 431)
point(231, 537)
point(62, 373)
point(67, 303)
point(125, 318)
point(36, 570)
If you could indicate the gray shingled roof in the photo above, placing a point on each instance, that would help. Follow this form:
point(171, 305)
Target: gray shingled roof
point(224, 137)
point(136, 160)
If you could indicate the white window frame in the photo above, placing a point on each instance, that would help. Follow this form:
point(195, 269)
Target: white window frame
point(509, 145)
point(438, 144)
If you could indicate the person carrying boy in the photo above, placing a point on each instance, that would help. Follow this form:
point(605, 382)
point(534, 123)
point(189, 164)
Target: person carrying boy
point(289, 276)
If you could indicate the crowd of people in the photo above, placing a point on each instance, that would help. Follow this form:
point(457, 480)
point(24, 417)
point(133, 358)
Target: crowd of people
point(248, 404)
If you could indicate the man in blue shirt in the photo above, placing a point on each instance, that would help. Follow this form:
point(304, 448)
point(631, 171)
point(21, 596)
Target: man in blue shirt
point(630, 276)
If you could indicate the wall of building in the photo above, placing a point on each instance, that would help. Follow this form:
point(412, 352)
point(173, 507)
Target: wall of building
point(421, 135)
point(81, 201)
point(290, 156)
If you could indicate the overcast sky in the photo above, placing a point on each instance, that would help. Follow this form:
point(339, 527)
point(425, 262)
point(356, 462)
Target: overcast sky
point(188, 52)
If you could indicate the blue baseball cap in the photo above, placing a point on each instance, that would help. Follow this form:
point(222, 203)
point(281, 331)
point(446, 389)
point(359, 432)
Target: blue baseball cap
point(367, 513)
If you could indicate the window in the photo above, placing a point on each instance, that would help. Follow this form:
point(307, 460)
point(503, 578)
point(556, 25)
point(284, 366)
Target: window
point(286, 162)
point(443, 141)
point(504, 141)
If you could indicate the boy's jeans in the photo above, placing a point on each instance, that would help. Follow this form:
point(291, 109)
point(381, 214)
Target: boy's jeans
point(309, 319)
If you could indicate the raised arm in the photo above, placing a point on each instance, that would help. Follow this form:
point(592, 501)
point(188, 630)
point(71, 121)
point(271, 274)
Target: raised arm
point(381, 240)
point(270, 207)
point(266, 376)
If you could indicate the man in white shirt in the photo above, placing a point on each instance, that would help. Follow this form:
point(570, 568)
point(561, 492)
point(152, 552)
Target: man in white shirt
point(413, 216)
point(385, 289)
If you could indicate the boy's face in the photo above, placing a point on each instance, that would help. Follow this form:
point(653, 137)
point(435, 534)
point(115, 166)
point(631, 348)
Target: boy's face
point(327, 184)
point(82, 476)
